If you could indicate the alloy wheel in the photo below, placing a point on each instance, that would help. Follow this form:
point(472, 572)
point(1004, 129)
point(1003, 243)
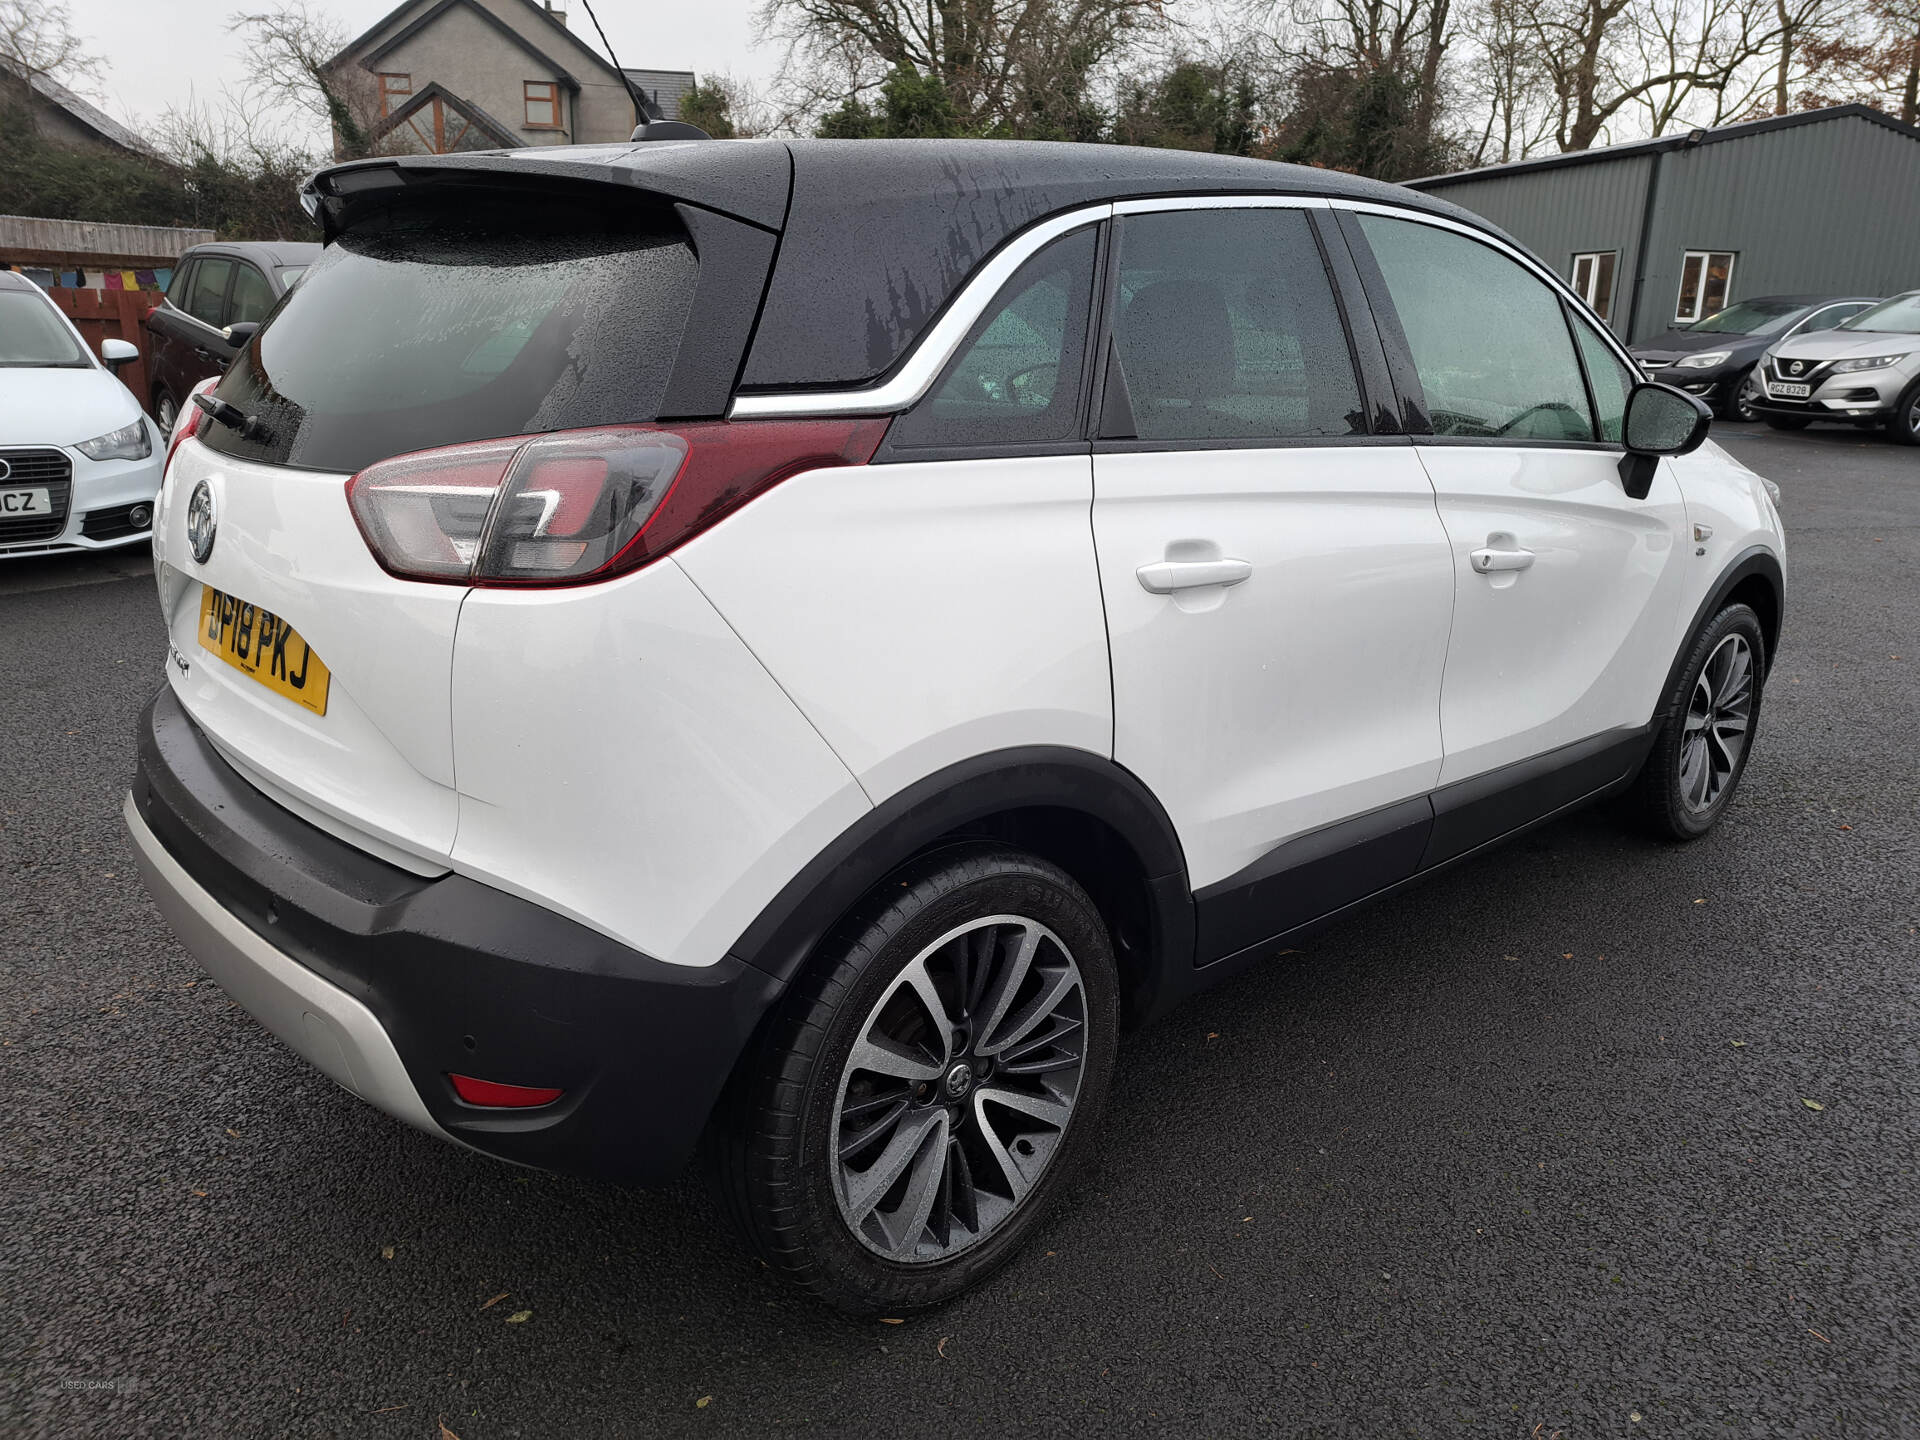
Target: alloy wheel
point(1719, 719)
point(1745, 396)
point(164, 415)
point(959, 1090)
point(1913, 416)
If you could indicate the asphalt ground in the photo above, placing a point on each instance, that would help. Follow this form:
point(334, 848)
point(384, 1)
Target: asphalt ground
point(1525, 1151)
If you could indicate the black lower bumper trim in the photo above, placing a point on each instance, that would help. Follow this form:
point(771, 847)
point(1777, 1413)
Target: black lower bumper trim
point(464, 977)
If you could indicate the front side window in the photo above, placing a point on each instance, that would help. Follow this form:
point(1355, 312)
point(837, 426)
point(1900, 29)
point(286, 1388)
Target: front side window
point(1610, 381)
point(1593, 280)
point(1227, 328)
point(394, 91)
point(1705, 278)
point(1017, 379)
point(207, 296)
point(543, 104)
point(1489, 339)
point(251, 297)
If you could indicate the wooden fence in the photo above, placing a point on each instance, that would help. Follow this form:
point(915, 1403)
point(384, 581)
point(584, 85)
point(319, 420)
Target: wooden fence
point(113, 315)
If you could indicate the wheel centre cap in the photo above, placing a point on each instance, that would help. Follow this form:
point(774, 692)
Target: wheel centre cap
point(959, 1080)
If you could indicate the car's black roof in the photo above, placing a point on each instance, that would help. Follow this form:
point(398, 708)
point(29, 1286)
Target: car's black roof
point(875, 234)
point(262, 252)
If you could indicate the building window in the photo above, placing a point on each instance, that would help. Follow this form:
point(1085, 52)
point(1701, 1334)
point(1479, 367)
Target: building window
point(1706, 277)
point(543, 104)
point(1593, 280)
point(394, 90)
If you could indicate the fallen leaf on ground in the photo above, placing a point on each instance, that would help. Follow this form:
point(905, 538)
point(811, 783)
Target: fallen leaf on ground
point(1738, 1044)
point(201, 1193)
point(389, 1409)
point(496, 1300)
point(1818, 1336)
point(703, 1402)
point(234, 1133)
point(1812, 1104)
point(941, 1348)
point(386, 1252)
point(445, 1433)
point(889, 1320)
point(519, 1317)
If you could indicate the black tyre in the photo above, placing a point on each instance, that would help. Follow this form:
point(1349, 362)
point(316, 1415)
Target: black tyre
point(1741, 393)
point(1786, 422)
point(1701, 752)
point(928, 1088)
point(1904, 424)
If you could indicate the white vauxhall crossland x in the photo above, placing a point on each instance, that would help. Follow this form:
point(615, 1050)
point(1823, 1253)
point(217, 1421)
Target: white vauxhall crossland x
point(782, 650)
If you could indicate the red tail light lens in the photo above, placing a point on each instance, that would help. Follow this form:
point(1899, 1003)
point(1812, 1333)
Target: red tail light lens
point(188, 420)
point(581, 505)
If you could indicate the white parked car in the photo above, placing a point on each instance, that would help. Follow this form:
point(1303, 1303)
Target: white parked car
point(768, 644)
point(79, 462)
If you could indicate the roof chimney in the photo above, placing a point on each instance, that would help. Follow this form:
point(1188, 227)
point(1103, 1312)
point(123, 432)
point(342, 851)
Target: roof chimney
point(556, 12)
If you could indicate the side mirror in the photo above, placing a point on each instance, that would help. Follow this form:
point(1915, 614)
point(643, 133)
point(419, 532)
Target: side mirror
point(1660, 421)
point(115, 353)
point(240, 332)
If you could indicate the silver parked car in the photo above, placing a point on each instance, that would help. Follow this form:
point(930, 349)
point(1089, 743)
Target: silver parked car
point(1865, 371)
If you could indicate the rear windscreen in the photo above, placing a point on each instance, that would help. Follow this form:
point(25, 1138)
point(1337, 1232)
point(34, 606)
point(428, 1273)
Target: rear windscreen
point(440, 327)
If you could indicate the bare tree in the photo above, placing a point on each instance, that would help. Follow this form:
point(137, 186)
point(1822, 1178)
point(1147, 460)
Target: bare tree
point(999, 61)
point(290, 63)
point(37, 38)
point(1505, 81)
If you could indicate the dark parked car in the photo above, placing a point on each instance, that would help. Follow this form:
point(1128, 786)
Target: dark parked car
point(1714, 358)
point(214, 287)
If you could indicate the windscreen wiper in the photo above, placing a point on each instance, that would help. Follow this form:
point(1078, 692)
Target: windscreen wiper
point(251, 427)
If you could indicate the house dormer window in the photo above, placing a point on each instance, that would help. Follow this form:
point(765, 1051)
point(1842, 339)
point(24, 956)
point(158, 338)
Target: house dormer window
point(394, 91)
point(543, 104)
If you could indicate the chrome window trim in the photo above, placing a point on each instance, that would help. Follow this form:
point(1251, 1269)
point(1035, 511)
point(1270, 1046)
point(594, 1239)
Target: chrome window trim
point(930, 354)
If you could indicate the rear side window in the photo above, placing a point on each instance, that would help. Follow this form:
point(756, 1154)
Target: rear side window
point(436, 329)
point(1227, 328)
point(1017, 379)
point(251, 297)
point(207, 296)
point(1488, 338)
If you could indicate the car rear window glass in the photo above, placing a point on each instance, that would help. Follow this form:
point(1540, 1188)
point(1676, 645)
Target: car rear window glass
point(32, 335)
point(438, 328)
point(1228, 329)
point(1017, 379)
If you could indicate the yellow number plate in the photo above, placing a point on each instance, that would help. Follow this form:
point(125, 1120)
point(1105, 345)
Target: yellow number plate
point(262, 646)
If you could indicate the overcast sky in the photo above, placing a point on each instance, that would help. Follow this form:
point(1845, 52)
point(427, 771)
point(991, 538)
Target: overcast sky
point(164, 52)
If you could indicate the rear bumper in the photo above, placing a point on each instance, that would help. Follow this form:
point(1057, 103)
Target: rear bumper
point(388, 981)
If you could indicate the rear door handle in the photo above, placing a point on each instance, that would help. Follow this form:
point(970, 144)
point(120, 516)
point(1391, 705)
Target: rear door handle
point(1486, 562)
point(1163, 577)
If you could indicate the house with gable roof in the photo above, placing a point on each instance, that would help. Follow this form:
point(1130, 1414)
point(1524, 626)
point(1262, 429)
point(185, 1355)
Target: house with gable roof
point(449, 75)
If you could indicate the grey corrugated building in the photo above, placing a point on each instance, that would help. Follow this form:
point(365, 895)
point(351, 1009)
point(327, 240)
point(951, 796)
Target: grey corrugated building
point(1666, 230)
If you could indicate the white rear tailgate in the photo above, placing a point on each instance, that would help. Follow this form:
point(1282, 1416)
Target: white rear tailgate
point(380, 760)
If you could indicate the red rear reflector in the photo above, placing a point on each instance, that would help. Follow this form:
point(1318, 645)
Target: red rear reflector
point(492, 1092)
point(581, 505)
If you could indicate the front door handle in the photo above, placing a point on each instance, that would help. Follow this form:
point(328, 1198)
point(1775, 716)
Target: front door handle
point(1488, 561)
point(1163, 577)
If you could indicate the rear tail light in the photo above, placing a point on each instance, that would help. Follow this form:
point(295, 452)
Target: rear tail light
point(581, 505)
point(189, 418)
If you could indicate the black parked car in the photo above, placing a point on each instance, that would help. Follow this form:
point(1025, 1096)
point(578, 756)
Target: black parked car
point(214, 287)
point(1714, 358)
